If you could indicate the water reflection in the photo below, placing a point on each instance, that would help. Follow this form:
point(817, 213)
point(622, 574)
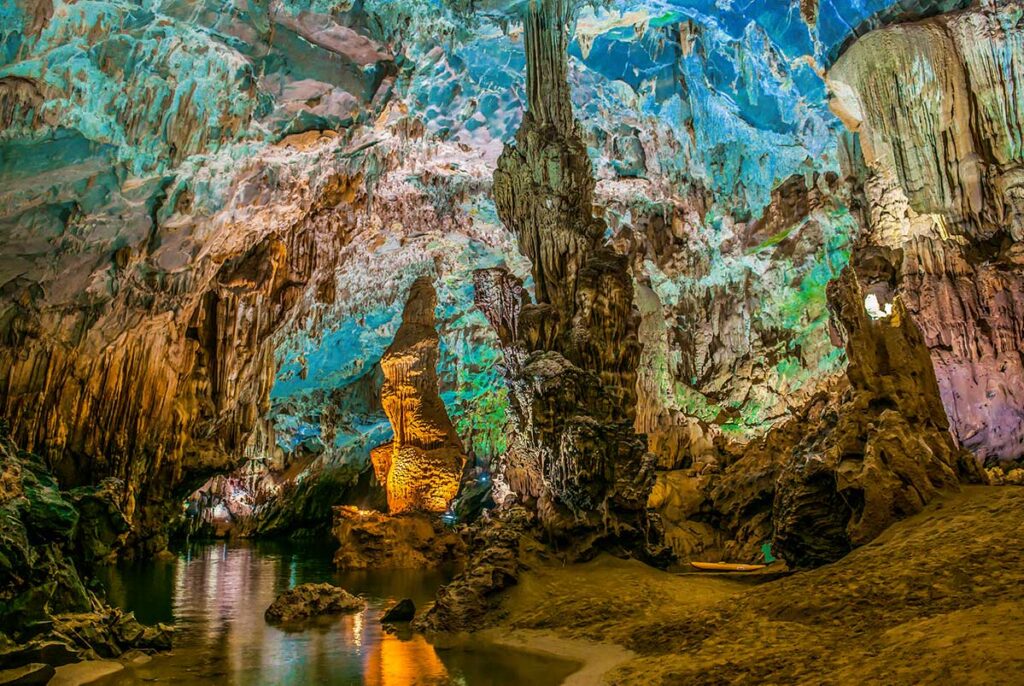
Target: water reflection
point(216, 595)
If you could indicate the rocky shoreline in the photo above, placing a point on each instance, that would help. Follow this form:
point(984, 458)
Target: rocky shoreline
point(901, 610)
point(51, 611)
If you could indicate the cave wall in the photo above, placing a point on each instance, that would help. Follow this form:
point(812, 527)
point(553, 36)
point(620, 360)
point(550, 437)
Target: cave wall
point(212, 216)
point(927, 309)
point(160, 377)
point(938, 113)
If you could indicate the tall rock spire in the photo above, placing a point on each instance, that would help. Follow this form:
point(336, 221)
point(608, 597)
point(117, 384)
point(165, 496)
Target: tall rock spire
point(547, 63)
point(421, 467)
point(571, 357)
point(575, 472)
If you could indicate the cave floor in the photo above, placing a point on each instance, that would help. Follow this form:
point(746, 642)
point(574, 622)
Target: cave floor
point(937, 599)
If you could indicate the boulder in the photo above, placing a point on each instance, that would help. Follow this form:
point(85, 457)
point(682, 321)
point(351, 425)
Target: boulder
point(312, 600)
point(374, 540)
point(402, 611)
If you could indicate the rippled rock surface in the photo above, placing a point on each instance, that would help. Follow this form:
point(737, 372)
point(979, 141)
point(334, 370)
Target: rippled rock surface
point(421, 467)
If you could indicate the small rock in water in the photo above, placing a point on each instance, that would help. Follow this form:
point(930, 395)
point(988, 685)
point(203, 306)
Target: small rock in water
point(402, 611)
point(311, 600)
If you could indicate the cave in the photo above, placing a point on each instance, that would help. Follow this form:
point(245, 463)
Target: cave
point(486, 342)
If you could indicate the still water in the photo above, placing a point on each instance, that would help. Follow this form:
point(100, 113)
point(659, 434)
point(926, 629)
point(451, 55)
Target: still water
point(215, 595)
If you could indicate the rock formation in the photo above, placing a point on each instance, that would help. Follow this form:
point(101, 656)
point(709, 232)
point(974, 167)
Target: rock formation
point(312, 600)
point(937, 111)
point(210, 220)
point(421, 467)
point(929, 179)
point(573, 460)
point(167, 403)
point(885, 451)
point(374, 540)
point(47, 614)
point(571, 356)
point(494, 564)
point(259, 182)
point(876, 450)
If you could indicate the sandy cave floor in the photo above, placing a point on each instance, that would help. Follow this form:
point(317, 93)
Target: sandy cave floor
point(937, 599)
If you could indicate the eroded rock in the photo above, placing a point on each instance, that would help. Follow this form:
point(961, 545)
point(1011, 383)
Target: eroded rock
point(875, 451)
point(421, 467)
point(571, 357)
point(46, 613)
point(936, 107)
point(374, 540)
point(312, 600)
point(493, 565)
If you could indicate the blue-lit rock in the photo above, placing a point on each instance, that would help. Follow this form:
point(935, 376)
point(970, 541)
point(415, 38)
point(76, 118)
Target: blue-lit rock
point(177, 230)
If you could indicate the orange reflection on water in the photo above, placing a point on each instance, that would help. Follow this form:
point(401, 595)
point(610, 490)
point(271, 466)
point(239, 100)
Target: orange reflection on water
point(394, 662)
point(216, 596)
point(389, 660)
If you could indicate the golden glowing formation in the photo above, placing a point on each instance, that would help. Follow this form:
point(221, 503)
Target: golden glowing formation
point(422, 466)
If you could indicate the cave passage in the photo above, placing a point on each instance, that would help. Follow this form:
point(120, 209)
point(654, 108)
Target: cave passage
point(470, 343)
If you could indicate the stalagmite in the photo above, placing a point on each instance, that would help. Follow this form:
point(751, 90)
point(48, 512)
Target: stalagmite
point(572, 355)
point(421, 467)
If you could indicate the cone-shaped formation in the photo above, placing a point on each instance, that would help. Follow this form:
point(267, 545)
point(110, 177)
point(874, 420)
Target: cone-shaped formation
point(886, 451)
point(422, 466)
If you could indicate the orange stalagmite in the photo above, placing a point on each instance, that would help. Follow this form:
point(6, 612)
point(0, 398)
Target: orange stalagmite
point(421, 467)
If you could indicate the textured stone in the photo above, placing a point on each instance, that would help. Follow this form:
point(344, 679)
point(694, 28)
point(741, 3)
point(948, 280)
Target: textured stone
point(154, 152)
point(493, 565)
point(199, 208)
point(876, 451)
point(939, 124)
point(679, 498)
point(571, 357)
point(312, 600)
point(421, 468)
point(44, 544)
point(373, 540)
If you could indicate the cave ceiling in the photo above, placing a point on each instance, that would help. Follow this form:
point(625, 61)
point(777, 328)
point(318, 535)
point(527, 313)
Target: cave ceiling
point(147, 144)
